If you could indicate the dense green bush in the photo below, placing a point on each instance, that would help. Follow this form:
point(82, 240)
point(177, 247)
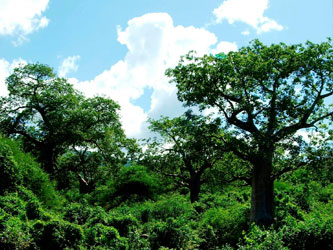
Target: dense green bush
point(172, 207)
point(220, 226)
point(13, 205)
point(261, 239)
point(100, 235)
point(80, 213)
point(314, 232)
point(20, 169)
point(137, 181)
point(10, 173)
point(132, 184)
point(57, 234)
point(14, 232)
point(123, 223)
point(137, 213)
point(172, 233)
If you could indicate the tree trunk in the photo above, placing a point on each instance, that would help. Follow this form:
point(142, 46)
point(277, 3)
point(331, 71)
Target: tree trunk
point(262, 208)
point(195, 184)
point(47, 158)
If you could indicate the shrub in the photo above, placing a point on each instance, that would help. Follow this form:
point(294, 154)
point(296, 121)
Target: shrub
point(172, 233)
point(57, 234)
point(261, 239)
point(20, 169)
point(138, 240)
point(220, 226)
point(123, 223)
point(33, 209)
point(77, 213)
point(14, 233)
point(100, 235)
point(314, 233)
point(136, 181)
point(10, 172)
point(13, 205)
point(172, 207)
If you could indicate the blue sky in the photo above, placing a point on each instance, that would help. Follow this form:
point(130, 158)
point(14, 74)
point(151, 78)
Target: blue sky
point(120, 49)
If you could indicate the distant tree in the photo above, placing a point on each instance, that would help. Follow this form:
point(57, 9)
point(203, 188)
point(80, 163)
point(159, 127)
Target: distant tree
point(185, 150)
point(51, 117)
point(265, 95)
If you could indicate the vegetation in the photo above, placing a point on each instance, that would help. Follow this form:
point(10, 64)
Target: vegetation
point(265, 95)
point(241, 179)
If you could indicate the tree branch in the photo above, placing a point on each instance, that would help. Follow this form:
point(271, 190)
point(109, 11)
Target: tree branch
point(240, 178)
point(288, 169)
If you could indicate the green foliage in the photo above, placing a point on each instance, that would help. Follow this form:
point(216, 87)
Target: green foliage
point(123, 223)
point(265, 95)
point(171, 233)
point(192, 149)
point(136, 180)
point(13, 205)
point(173, 207)
point(19, 168)
point(132, 184)
point(78, 213)
point(314, 232)
point(109, 206)
point(10, 173)
point(100, 235)
point(14, 232)
point(220, 226)
point(33, 209)
point(57, 234)
point(51, 117)
point(261, 239)
point(84, 214)
point(138, 240)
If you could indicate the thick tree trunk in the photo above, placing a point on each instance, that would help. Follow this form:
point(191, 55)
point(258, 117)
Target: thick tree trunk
point(47, 158)
point(262, 207)
point(195, 184)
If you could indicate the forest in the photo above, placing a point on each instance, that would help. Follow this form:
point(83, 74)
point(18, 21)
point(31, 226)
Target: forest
point(254, 174)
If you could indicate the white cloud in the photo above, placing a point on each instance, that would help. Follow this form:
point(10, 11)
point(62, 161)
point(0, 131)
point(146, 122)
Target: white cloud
point(6, 69)
point(225, 47)
point(22, 17)
point(250, 12)
point(245, 33)
point(154, 44)
point(69, 64)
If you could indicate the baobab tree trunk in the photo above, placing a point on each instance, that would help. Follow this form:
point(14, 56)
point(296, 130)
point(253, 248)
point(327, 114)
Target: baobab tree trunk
point(47, 158)
point(262, 207)
point(194, 185)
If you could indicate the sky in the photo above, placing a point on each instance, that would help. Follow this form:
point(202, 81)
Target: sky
point(121, 49)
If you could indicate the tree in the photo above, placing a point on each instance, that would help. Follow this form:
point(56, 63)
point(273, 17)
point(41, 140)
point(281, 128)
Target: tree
point(186, 149)
point(51, 116)
point(265, 94)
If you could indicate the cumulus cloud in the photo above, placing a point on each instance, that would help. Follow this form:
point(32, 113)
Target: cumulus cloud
point(154, 44)
point(225, 47)
point(69, 64)
point(20, 18)
point(6, 68)
point(250, 12)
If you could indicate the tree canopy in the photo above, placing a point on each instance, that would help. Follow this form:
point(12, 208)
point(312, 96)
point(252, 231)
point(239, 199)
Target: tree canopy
point(51, 116)
point(265, 95)
point(186, 149)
